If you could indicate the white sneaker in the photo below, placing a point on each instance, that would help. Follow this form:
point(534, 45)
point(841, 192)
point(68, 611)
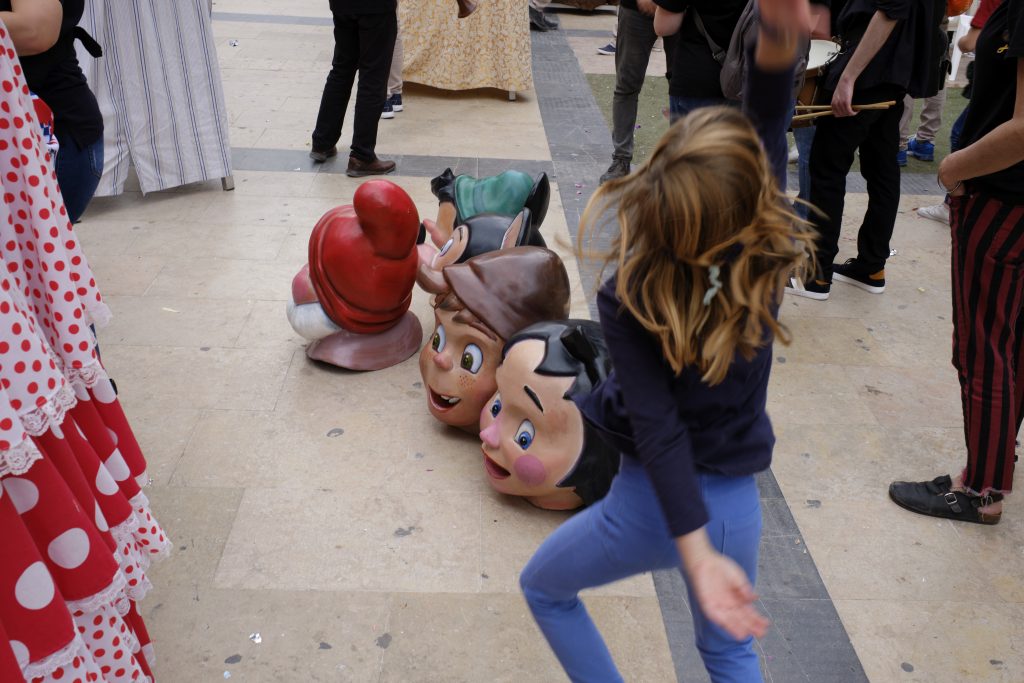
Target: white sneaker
point(936, 212)
point(794, 154)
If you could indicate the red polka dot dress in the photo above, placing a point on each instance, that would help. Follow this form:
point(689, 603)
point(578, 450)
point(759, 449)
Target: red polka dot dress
point(76, 531)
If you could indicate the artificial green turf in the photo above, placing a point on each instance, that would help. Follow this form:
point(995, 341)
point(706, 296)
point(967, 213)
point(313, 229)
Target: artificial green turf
point(652, 124)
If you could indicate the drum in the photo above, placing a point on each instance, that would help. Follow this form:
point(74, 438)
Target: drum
point(821, 53)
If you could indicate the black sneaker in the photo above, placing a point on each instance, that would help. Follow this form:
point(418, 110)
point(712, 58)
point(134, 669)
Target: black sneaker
point(619, 169)
point(852, 273)
point(396, 102)
point(537, 21)
point(812, 289)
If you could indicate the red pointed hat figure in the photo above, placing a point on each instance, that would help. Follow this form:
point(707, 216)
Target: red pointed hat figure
point(351, 301)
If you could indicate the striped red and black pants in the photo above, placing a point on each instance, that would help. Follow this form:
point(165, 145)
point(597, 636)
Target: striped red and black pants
point(988, 334)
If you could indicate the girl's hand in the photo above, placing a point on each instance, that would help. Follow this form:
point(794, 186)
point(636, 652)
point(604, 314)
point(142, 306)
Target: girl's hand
point(725, 596)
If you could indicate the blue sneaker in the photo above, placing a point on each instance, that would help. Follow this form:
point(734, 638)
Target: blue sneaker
point(389, 111)
point(901, 158)
point(924, 151)
point(396, 101)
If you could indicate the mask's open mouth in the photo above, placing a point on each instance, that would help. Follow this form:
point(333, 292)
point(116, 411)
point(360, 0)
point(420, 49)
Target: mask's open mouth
point(442, 402)
point(494, 470)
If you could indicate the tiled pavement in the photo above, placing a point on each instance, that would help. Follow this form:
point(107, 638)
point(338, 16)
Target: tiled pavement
point(324, 509)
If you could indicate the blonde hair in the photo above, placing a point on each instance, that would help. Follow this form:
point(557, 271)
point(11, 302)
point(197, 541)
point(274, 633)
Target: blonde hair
point(705, 197)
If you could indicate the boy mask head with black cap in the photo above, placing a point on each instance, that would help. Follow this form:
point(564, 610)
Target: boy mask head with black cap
point(536, 443)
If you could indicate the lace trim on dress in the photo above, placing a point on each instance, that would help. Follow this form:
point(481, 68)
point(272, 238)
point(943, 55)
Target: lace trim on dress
point(19, 460)
point(106, 597)
point(88, 376)
point(62, 658)
point(39, 420)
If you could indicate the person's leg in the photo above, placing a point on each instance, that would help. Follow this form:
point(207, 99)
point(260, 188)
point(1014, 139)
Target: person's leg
point(395, 82)
point(376, 45)
point(908, 113)
point(679, 107)
point(931, 117)
point(734, 528)
point(804, 138)
point(623, 534)
point(835, 142)
point(338, 87)
point(78, 172)
point(988, 242)
point(957, 130)
point(632, 54)
point(882, 173)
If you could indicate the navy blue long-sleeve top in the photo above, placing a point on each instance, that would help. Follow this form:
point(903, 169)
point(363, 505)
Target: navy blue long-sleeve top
point(677, 425)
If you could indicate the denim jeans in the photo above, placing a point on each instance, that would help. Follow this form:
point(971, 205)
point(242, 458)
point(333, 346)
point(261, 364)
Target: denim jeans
point(678, 107)
point(633, 42)
point(78, 173)
point(804, 141)
point(957, 130)
point(626, 534)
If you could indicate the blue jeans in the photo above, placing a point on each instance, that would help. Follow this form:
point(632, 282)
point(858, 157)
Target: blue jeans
point(78, 173)
point(804, 139)
point(957, 130)
point(678, 107)
point(626, 534)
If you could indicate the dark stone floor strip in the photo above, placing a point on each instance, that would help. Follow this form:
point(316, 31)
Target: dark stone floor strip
point(807, 641)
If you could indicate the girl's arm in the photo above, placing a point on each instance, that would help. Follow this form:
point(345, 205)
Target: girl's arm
point(34, 25)
point(1001, 148)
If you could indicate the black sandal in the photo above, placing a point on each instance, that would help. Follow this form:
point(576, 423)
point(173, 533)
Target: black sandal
point(937, 498)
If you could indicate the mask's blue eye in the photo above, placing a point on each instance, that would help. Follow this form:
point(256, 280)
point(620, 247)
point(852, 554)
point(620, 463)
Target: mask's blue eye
point(525, 435)
point(496, 407)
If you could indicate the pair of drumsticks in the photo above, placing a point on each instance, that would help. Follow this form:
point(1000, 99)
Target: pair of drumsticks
point(819, 110)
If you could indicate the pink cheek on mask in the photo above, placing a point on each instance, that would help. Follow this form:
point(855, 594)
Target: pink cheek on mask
point(530, 470)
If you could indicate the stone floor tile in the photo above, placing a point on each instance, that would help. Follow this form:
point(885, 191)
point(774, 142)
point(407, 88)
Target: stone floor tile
point(808, 394)
point(267, 326)
point(886, 553)
point(332, 538)
point(493, 638)
point(222, 278)
point(918, 343)
point(304, 635)
point(175, 377)
point(161, 431)
point(247, 242)
point(157, 321)
point(943, 639)
point(198, 521)
point(125, 275)
point(843, 339)
point(910, 396)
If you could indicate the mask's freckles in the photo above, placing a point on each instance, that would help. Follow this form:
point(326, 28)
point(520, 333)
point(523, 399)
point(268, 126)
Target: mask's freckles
point(530, 470)
point(466, 382)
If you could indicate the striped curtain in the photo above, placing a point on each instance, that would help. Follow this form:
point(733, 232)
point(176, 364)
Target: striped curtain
point(159, 88)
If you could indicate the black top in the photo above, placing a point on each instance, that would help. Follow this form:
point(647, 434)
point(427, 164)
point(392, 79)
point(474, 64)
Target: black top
point(366, 6)
point(695, 72)
point(631, 4)
point(1000, 47)
point(677, 425)
point(56, 77)
point(899, 62)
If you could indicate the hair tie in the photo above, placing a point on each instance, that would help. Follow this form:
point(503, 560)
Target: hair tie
point(716, 285)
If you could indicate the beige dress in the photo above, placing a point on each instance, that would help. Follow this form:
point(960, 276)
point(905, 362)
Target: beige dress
point(488, 49)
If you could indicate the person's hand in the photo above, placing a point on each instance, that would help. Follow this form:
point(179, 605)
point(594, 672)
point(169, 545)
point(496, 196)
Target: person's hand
point(786, 15)
point(949, 178)
point(646, 7)
point(725, 595)
point(842, 99)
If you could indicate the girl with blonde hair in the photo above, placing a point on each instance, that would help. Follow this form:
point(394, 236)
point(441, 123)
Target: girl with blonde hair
point(706, 241)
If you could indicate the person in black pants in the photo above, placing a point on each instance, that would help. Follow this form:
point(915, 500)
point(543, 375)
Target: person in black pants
point(883, 44)
point(53, 73)
point(364, 41)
